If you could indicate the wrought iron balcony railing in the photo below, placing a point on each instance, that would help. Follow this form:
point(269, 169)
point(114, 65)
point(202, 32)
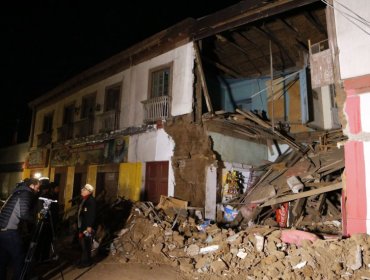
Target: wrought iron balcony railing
point(83, 127)
point(43, 139)
point(108, 121)
point(157, 108)
point(65, 132)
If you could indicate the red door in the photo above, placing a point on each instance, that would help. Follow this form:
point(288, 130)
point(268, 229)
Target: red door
point(156, 180)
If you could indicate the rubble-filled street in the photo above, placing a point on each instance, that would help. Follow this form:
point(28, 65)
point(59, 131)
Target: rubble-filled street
point(166, 243)
point(152, 245)
point(259, 252)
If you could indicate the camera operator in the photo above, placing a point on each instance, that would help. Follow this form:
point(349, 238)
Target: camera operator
point(42, 252)
point(18, 207)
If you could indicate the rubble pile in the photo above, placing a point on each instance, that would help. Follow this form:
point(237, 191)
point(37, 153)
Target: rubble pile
point(206, 251)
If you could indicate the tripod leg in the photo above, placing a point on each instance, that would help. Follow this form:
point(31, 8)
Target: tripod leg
point(31, 249)
point(53, 251)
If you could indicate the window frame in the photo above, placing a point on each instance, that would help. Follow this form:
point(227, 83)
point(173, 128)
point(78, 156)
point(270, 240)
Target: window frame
point(107, 89)
point(50, 116)
point(157, 69)
point(88, 114)
point(72, 107)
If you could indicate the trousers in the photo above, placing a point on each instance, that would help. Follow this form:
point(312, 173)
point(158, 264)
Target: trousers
point(11, 252)
point(86, 245)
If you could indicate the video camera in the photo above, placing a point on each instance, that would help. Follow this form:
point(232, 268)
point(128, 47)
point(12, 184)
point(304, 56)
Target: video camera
point(46, 205)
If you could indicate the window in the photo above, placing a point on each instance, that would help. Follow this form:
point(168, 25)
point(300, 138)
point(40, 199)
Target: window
point(112, 97)
point(88, 106)
point(160, 82)
point(48, 123)
point(68, 114)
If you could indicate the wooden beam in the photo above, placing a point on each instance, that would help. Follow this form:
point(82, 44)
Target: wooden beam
point(255, 46)
point(223, 68)
point(202, 78)
point(290, 197)
point(198, 99)
point(316, 23)
point(266, 125)
point(236, 46)
point(266, 32)
point(295, 32)
point(243, 13)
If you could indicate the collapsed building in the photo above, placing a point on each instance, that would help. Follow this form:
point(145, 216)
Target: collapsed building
point(241, 110)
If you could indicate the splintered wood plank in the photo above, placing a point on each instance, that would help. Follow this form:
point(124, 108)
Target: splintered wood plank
point(333, 187)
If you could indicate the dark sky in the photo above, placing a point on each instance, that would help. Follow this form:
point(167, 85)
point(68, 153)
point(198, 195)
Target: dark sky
point(43, 43)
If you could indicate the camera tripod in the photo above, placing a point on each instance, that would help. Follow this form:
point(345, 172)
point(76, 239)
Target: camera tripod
point(43, 217)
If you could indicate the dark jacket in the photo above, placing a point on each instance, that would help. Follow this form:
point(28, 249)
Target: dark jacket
point(87, 213)
point(18, 207)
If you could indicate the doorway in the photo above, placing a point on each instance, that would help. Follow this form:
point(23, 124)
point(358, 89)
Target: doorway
point(156, 180)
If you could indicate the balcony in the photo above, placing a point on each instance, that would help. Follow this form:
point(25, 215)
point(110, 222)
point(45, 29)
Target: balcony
point(83, 127)
point(108, 121)
point(157, 108)
point(65, 132)
point(43, 139)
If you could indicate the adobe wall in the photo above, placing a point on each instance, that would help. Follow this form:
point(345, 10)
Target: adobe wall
point(192, 155)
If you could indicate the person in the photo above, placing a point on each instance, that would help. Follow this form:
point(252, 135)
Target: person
point(19, 207)
point(54, 208)
point(42, 252)
point(85, 224)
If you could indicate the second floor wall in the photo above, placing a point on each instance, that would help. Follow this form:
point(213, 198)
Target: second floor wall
point(158, 88)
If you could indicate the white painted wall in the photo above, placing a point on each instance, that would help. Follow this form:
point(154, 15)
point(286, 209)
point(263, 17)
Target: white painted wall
point(273, 155)
point(244, 169)
point(155, 145)
point(238, 150)
point(353, 43)
point(367, 180)
point(182, 84)
point(211, 193)
point(135, 82)
point(365, 113)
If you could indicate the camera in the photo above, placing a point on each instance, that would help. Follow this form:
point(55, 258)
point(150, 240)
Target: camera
point(47, 201)
point(46, 206)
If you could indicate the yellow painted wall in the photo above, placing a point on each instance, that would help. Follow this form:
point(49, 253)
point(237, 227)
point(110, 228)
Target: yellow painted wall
point(129, 182)
point(45, 172)
point(52, 174)
point(26, 173)
point(69, 187)
point(92, 172)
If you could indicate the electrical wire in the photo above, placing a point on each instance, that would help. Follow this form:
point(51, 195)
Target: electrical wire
point(351, 18)
point(274, 84)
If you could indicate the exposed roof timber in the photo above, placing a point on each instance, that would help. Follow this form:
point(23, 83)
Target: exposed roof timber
point(276, 42)
point(316, 23)
point(257, 47)
point(241, 50)
point(295, 31)
point(222, 67)
point(243, 13)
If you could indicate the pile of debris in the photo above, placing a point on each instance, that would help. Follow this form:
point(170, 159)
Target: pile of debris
point(156, 235)
point(301, 188)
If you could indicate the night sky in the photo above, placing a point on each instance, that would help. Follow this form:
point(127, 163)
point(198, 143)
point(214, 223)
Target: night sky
point(44, 43)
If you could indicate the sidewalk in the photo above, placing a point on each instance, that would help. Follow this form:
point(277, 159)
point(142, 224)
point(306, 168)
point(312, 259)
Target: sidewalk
point(111, 269)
